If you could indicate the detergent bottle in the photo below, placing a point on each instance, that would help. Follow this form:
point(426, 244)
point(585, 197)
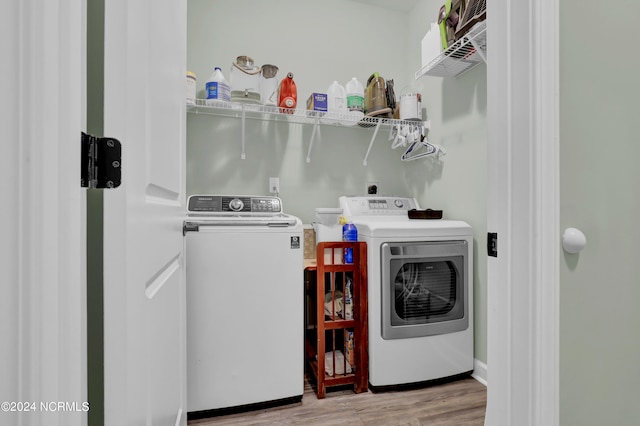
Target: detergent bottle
point(288, 97)
point(217, 88)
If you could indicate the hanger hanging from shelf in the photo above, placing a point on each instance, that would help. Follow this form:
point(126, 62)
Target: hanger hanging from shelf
point(408, 131)
point(422, 148)
point(415, 136)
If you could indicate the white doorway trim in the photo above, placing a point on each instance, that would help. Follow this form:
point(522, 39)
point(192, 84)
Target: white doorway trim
point(523, 281)
point(43, 256)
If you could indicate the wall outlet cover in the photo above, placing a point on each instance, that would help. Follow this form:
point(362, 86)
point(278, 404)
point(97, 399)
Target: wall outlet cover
point(274, 185)
point(372, 188)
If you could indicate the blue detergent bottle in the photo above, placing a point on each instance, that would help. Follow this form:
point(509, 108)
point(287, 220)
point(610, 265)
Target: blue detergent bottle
point(349, 233)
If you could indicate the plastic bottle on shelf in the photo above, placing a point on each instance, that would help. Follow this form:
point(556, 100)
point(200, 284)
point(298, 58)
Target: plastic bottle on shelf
point(336, 103)
point(191, 88)
point(410, 103)
point(217, 88)
point(288, 98)
point(349, 233)
point(348, 302)
point(336, 98)
point(355, 97)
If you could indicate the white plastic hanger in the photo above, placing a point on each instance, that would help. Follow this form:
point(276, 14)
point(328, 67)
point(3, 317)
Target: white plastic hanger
point(404, 133)
point(415, 136)
point(422, 148)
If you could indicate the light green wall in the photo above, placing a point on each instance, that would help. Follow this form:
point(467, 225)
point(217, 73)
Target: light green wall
point(457, 108)
point(308, 44)
point(322, 41)
point(600, 193)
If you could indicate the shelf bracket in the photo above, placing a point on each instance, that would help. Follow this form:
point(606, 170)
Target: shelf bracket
point(242, 154)
point(479, 50)
point(375, 133)
point(313, 136)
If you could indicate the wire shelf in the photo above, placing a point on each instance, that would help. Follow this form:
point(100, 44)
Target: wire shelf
point(467, 52)
point(245, 111)
point(302, 116)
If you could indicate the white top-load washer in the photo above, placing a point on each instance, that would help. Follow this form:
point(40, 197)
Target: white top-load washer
point(420, 280)
point(244, 275)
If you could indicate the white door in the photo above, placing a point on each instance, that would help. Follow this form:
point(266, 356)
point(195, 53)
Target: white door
point(563, 328)
point(144, 291)
point(600, 195)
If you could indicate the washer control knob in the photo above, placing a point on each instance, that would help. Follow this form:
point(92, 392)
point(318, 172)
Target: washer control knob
point(399, 204)
point(236, 204)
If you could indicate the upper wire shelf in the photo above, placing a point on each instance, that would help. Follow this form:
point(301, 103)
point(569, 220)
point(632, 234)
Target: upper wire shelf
point(245, 111)
point(302, 116)
point(464, 54)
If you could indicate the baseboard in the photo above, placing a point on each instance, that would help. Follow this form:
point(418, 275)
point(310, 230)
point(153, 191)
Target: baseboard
point(196, 415)
point(479, 371)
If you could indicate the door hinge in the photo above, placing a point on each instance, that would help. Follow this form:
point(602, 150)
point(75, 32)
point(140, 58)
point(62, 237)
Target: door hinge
point(189, 227)
point(101, 162)
point(492, 244)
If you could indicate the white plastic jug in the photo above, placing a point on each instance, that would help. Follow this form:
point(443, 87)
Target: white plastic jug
point(217, 88)
point(336, 98)
point(355, 97)
point(336, 103)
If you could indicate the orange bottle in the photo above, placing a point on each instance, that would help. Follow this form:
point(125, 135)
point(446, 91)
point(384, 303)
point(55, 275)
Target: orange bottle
point(288, 94)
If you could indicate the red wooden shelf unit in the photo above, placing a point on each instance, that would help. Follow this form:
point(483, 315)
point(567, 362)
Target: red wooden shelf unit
point(336, 337)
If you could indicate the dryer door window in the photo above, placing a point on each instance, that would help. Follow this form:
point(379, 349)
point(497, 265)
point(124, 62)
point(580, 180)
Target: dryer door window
point(424, 289)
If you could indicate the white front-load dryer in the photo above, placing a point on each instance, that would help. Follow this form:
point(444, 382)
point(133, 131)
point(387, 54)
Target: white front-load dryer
point(420, 279)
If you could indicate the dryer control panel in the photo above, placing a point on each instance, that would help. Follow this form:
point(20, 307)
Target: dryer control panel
point(376, 205)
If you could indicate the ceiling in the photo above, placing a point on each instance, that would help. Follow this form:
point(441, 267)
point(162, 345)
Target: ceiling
point(400, 5)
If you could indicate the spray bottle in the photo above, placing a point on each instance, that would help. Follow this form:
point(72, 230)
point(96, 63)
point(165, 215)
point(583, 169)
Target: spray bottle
point(349, 233)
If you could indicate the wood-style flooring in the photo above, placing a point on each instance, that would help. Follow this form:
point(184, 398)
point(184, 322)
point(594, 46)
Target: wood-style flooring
point(457, 403)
